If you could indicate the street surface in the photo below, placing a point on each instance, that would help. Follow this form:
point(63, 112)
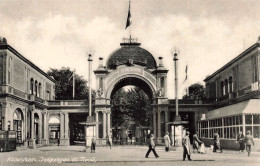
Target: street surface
point(122, 155)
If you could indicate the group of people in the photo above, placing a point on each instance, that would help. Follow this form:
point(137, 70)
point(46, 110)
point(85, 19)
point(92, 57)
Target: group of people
point(199, 145)
point(245, 141)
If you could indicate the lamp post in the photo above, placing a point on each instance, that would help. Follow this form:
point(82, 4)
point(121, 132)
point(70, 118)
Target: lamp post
point(90, 81)
point(175, 53)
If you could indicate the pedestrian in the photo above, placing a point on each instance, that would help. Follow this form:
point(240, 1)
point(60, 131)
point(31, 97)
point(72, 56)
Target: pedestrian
point(241, 141)
point(167, 141)
point(151, 146)
point(249, 142)
point(93, 145)
point(186, 146)
point(196, 142)
point(216, 142)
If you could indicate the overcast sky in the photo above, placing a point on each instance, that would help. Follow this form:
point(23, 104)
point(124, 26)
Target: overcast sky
point(56, 33)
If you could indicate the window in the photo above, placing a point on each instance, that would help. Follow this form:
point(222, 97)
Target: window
point(248, 119)
point(222, 93)
point(256, 119)
point(36, 88)
point(40, 90)
point(226, 87)
point(31, 86)
point(48, 95)
point(230, 81)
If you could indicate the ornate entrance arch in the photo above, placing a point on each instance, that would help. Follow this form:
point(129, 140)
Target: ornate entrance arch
point(129, 65)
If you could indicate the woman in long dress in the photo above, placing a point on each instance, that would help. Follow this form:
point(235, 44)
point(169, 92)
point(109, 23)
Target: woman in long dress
point(167, 141)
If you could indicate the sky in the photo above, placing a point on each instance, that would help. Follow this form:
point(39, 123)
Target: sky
point(56, 33)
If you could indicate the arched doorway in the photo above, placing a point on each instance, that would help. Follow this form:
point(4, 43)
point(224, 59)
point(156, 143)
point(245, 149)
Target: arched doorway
point(54, 130)
point(36, 128)
point(18, 125)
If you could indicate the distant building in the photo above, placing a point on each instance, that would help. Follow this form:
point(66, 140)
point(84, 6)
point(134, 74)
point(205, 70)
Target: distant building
point(235, 89)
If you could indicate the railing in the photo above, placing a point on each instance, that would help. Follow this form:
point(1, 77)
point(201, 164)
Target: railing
point(67, 102)
point(37, 99)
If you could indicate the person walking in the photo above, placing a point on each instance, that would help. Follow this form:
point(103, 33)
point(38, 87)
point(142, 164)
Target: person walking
point(167, 141)
point(151, 146)
point(249, 142)
point(186, 146)
point(93, 145)
point(216, 142)
point(196, 142)
point(241, 141)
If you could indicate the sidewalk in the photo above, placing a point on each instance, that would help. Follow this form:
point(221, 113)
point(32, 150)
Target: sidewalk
point(122, 155)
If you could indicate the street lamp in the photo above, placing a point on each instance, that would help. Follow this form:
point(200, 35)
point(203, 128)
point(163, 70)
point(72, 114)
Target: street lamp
point(175, 51)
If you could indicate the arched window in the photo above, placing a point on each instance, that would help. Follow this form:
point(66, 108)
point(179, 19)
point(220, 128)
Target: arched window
point(31, 86)
point(226, 87)
point(222, 91)
point(230, 82)
point(40, 90)
point(36, 88)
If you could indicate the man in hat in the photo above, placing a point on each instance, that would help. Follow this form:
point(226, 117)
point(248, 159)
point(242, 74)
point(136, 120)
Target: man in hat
point(151, 147)
point(186, 146)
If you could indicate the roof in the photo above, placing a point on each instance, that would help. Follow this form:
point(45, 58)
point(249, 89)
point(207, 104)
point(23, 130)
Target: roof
point(234, 60)
point(251, 106)
point(131, 51)
point(8, 47)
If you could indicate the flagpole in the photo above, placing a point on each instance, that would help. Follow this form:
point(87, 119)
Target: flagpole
point(73, 85)
point(130, 23)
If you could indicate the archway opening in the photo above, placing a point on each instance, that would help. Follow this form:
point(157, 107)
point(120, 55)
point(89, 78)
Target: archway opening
point(54, 130)
point(18, 125)
point(131, 110)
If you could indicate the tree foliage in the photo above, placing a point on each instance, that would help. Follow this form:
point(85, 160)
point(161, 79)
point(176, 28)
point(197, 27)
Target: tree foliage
point(196, 90)
point(64, 84)
point(131, 105)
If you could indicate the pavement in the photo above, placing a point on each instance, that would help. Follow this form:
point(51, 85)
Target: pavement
point(122, 155)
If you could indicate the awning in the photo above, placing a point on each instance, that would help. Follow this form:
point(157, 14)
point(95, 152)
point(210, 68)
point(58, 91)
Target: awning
point(251, 106)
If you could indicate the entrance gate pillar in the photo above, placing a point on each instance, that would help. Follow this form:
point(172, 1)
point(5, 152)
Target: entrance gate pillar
point(32, 140)
point(97, 125)
point(104, 124)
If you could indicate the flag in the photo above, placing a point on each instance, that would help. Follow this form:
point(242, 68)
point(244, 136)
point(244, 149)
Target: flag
point(186, 71)
point(128, 21)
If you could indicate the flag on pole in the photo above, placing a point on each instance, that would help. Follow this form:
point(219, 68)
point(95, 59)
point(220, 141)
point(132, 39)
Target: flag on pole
point(186, 81)
point(128, 21)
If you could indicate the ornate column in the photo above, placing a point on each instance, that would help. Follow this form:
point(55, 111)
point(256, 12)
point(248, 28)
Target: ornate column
point(32, 140)
point(154, 123)
point(40, 128)
point(45, 125)
point(159, 124)
point(104, 124)
point(97, 125)
point(166, 121)
point(66, 122)
point(108, 120)
point(4, 115)
point(61, 128)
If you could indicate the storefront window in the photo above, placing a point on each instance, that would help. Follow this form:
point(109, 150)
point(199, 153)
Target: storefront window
point(256, 132)
point(256, 119)
point(248, 119)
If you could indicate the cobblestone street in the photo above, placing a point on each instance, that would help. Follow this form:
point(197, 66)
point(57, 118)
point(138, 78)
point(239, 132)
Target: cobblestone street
point(123, 155)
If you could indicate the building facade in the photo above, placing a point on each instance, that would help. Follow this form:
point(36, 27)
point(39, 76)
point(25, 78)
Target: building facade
point(24, 90)
point(235, 89)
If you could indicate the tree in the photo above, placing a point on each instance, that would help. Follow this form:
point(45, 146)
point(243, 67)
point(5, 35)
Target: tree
point(131, 105)
point(196, 90)
point(64, 86)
